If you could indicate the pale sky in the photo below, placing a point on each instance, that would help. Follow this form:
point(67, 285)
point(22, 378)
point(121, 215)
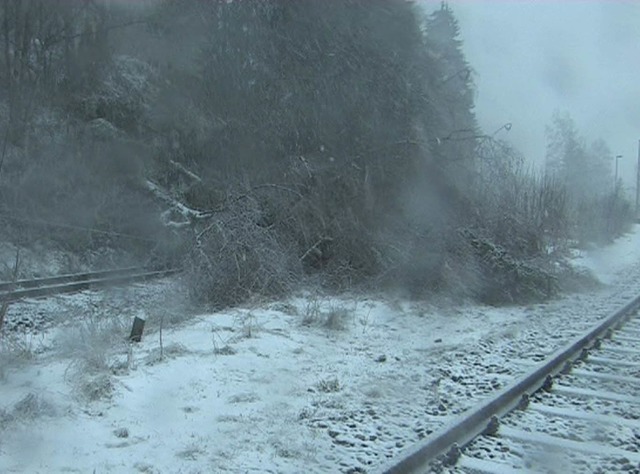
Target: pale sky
point(532, 57)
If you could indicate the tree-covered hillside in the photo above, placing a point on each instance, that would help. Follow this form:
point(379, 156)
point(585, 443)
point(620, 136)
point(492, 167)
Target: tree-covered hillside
point(269, 145)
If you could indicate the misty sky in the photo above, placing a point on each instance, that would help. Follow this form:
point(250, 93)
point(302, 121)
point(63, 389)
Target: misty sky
point(532, 57)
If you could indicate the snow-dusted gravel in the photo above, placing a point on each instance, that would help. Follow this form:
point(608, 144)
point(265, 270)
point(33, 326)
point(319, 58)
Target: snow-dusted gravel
point(311, 384)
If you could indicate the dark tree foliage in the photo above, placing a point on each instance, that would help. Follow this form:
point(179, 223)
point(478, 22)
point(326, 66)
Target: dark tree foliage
point(343, 101)
point(457, 130)
point(275, 140)
point(51, 49)
point(340, 84)
point(67, 109)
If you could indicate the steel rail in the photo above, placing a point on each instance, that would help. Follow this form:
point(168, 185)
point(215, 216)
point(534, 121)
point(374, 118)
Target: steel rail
point(39, 287)
point(482, 418)
point(70, 277)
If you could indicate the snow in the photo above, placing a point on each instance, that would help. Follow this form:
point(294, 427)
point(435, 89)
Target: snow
point(607, 262)
point(310, 384)
point(165, 196)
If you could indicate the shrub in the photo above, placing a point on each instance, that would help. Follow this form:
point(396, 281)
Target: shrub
point(32, 406)
point(122, 96)
point(520, 224)
point(335, 317)
point(235, 257)
point(329, 385)
point(602, 218)
point(90, 345)
point(508, 279)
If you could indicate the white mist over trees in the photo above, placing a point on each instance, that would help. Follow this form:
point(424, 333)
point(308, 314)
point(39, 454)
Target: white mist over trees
point(585, 168)
point(269, 145)
point(596, 200)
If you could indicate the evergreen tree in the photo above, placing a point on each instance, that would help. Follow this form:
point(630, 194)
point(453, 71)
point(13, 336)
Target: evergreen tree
point(457, 129)
point(585, 170)
point(342, 86)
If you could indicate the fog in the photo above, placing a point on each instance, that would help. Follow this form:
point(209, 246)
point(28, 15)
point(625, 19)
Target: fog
point(533, 57)
point(326, 140)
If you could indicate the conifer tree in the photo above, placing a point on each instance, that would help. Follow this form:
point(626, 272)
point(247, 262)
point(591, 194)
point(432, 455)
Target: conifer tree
point(585, 170)
point(457, 129)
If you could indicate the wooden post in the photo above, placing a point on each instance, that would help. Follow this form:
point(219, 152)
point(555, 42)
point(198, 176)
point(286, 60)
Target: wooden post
point(136, 330)
point(5, 304)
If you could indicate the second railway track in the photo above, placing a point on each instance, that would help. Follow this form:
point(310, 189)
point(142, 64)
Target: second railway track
point(38, 287)
point(577, 412)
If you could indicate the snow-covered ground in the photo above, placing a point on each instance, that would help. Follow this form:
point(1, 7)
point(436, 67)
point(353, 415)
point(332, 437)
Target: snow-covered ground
point(312, 384)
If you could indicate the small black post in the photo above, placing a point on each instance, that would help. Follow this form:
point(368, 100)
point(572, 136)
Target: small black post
point(136, 330)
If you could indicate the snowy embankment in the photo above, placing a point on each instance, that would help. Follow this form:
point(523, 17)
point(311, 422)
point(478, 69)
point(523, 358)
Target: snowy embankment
point(311, 384)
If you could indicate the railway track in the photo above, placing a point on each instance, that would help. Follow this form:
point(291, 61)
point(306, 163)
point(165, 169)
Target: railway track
point(576, 412)
point(14, 291)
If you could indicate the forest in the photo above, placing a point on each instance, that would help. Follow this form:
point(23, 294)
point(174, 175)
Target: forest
point(268, 146)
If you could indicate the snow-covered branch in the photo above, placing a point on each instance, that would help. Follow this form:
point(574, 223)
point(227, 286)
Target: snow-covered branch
point(180, 167)
point(185, 211)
